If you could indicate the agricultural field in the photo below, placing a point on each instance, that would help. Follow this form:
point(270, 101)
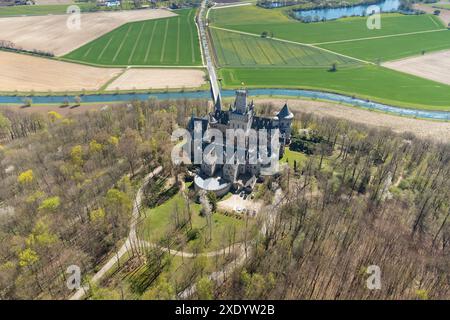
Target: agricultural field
point(392, 48)
point(237, 50)
point(25, 73)
point(170, 41)
point(163, 78)
point(371, 82)
point(434, 66)
point(256, 20)
point(51, 33)
point(400, 36)
point(43, 9)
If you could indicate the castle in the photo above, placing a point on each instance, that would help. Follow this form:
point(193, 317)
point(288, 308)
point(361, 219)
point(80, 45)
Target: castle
point(238, 172)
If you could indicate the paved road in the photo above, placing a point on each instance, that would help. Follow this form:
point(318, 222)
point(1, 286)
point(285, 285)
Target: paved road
point(207, 53)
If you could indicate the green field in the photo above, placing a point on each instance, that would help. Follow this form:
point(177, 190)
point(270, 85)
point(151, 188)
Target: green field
point(42, 10)
point(371, 82)
point(400, 35)
point(169, 41)
point(255, 20)
point(238, 50)
point(349, 37)
point(393, 48)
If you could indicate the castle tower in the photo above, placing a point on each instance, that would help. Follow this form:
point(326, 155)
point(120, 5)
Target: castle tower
point(285, 117)
point(240, 103)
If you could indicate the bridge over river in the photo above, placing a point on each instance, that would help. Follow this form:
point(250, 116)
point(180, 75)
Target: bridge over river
point(201, 22)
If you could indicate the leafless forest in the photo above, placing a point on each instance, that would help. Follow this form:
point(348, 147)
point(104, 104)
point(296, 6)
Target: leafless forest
point(362, 197)
point(366, 197)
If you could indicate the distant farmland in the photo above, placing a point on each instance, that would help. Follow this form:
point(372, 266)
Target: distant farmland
point(385, 49)
point(255, 20)
point(371, 82)
point(400, 35)
point(43, 9)
point(169, 41)
point(239, 50)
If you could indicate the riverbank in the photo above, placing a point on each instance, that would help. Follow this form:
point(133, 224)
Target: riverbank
point(438, 131)
point(106, 98)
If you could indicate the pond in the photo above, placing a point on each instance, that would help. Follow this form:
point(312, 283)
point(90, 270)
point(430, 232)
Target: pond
point(341, 12)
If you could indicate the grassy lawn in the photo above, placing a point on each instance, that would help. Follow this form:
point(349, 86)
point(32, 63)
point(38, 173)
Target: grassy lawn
point(168, 41)
point(291, 156)
point(255, 20)
point(393, 48)
point(42, 10)
point(159, 221)
point(237, 50)
point(371, 82)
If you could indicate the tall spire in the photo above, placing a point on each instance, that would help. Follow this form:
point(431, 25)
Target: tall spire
point(218, 104)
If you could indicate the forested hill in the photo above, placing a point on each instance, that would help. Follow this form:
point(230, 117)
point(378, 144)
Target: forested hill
point(67, 187)
point(365, 197)
point(348, 197)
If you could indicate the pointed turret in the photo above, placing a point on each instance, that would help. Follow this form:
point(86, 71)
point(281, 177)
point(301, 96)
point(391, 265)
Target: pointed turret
point(285, 113)
point(218, 105)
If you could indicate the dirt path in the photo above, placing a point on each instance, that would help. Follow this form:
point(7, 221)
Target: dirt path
point(132, 238)
point(134, 242)
point(435, 130)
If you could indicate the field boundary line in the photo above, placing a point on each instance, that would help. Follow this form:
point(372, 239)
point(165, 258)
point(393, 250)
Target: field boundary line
point(192, 37)
point(87, 52)
point(122, 43)
point(104, 48)
point(163, 51)
point(150, 42)
point(378, 37)
point(112, 79)
point(297, 43)
point(232, 5)
point(198, 37)
point(136, 43)
point(178, 41)
point(434, 21)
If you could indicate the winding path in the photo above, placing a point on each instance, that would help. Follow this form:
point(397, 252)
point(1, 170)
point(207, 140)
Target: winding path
point(132, 237)
point(133, 242)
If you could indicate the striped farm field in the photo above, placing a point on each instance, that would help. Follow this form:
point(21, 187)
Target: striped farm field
point(240, 50)
point(161, 42)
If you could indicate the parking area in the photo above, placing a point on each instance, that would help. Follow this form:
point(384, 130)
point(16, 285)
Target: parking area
point(240, 204)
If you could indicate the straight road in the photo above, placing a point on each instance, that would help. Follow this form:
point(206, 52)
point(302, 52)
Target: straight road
point(207, 53)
